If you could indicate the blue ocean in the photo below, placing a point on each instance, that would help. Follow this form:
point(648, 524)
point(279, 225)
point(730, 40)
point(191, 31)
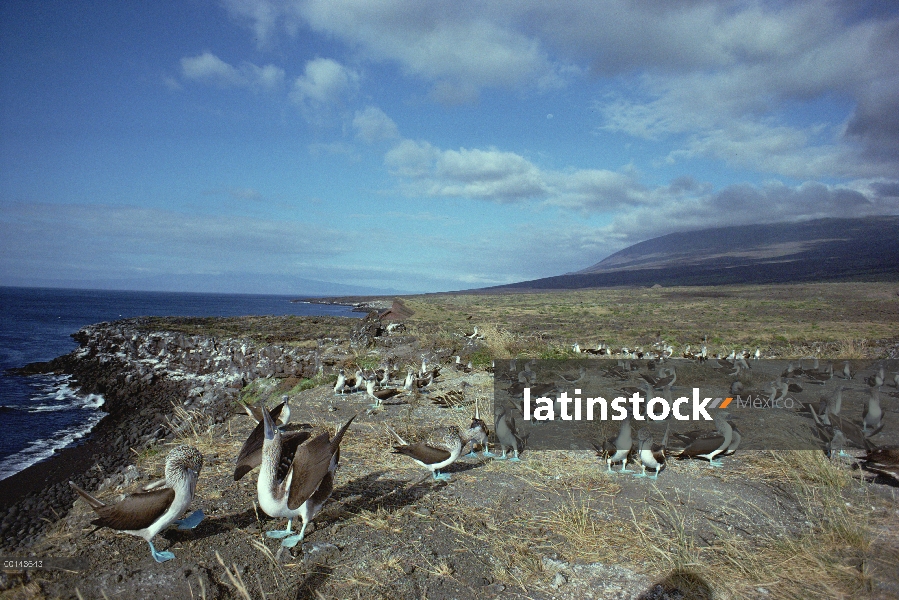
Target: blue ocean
point(40, 414)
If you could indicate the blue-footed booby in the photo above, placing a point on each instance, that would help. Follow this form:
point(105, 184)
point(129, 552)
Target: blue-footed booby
point(439, 450)
point(479, 434)
point(651, 455)
point(340, 386)
point(709, 444)
point(725, 429)
point(830, 435)
point(409, 381)
point(872, 414)
point(507, 433)
point(618, 449)
point(876, 380)
point(307, 484)
point(846, 373)
point(360, 381)
point(145, 514)
point(380, 395)
point(250, 455)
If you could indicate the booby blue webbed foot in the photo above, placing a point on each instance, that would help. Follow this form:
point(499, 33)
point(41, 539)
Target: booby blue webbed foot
point(514, 459)
point(277, 534)
point(160, 556)
point(191, 521)
point(488, 454)
point(292, 540)
point(471, 455)
point(625, 470)
point(281, 533)
point(639, 474)
point(715, 463)
point(502, 457)
point(442, 476)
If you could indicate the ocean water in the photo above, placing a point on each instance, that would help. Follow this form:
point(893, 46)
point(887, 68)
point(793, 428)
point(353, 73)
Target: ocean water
point(40, 414)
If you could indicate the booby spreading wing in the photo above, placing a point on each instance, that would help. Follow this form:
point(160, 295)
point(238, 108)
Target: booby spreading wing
point(250, 455)
point(256, 412)
point(311, 466)
point(135, 512)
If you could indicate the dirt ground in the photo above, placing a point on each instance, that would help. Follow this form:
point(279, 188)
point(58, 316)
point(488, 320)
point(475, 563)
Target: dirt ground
point(555, 525)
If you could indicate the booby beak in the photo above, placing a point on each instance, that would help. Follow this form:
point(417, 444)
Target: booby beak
point(194, 519)
point(268, 427)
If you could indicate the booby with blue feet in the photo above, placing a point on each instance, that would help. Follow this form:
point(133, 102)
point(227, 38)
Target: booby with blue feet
point(479, 434)
point(146, 513)
point(439, 450)
point(307, 483)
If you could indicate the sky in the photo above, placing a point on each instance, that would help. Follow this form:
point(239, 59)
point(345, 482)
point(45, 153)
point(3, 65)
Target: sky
point(266, 146)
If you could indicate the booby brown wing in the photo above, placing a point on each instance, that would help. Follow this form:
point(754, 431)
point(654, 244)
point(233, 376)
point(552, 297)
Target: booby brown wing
point(250, 455)
point(311, 466)
point(658, 453)
point(702, 445)
point(386, 393)
point(256, 412)
point(424, 453)
point(324, 489)
point(886, 455)
point(289, 445)
point(649, 379)
point(136, 511)
point(852, 431)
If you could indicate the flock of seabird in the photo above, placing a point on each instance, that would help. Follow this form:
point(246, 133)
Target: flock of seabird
point(297, 470)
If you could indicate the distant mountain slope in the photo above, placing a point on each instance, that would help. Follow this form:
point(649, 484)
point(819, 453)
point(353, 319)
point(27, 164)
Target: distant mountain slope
point(820, 250)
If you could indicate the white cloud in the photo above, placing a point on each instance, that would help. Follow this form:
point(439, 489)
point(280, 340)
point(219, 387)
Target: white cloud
point(503, 176)
point(372, 125)
point(209, 68)
point(460, 47)
point(486, 174)
point(323, 82)
point(720, 80)
point(640, 211)
point(765, 67)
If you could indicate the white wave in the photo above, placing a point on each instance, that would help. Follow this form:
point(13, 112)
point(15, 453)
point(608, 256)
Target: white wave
point(63, 397)
point(56, 393)
point(38, 450)
point(94, 401)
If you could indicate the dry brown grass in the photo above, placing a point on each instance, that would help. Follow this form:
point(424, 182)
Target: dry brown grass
point(828, 559)
point(587, 536)
point(785, 321)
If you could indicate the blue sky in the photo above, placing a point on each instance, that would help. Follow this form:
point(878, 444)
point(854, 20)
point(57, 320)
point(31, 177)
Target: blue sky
point(263, 145)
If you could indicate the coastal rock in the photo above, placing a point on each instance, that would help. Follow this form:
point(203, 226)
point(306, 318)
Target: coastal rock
point(142, 376)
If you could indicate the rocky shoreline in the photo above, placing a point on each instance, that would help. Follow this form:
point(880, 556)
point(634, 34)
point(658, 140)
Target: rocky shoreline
point(359, 303)
point(143, 375)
